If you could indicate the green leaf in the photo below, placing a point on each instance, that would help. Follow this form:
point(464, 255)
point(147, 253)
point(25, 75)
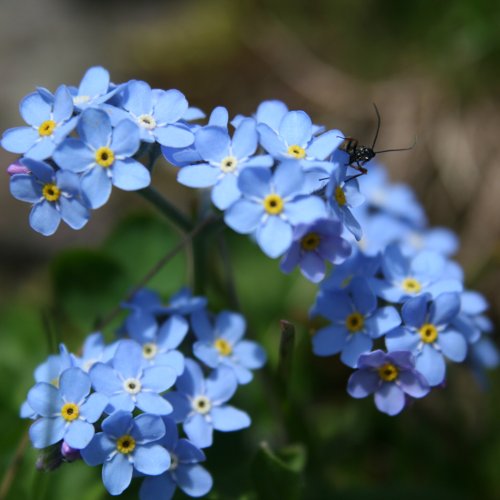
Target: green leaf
point(279, 474)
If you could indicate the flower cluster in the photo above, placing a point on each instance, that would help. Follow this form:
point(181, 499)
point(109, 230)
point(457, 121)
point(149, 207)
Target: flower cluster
point(399, 291)
point(119, 404)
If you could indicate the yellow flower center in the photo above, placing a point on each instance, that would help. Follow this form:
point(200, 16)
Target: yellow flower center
point(125, 444)
point(428, 333)
point(310, 242)
point(223, 346)
point(411, 285)
point(229, 164)
point(104, 157)
point(70, 412)
point(46, 128)
point(354, 322)
point(132, 385)
point(147, 121)
point(296, 151)
point(340, 196)
point(388, 372)
point(273, 204)
point(149, 350)
point(201, 404)
point(51, 192)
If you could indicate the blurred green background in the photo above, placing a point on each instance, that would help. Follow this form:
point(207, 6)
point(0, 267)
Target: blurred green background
point(433, 70)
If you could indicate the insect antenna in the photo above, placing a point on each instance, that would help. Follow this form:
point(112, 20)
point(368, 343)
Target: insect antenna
point(379, 121)
point(398, 149)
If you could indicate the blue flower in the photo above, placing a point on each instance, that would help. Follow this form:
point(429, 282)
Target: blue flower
point(294, 139)
point(55, 195)
point(126, 445)
point(389, 376)
point(272, 205)
point(128, 384)
point(95, 350)
point(94, 89)
point(49, 123)
point(184, 472)
point(223, 160)
point(157, 114)
point(407, 276)
point(159, 344)
point(219, 344)
point(342, 196)
point(200, 404)
point(313, 244)
point(356, 321)
point(67, 412)
point(103, 155)
point(429, 335)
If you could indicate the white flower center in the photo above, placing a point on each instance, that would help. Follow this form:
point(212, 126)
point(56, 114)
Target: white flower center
point(149, 350)
point(147, 122)
point(81, 99)
point(229, 164)
point(201, 404)
point(132, 385)
point(174, 462)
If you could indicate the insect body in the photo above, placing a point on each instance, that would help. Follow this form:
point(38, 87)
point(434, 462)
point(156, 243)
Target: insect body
point(359, 155)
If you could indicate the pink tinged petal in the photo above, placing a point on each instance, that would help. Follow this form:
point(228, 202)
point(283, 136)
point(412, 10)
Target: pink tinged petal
point(156, 487)
point(158, 378)
point(24, 188)
point(312, 266)
point(245, 138)
point(46, 431)
point(453, 345)
point(94, 128)
point(95, 82)
point(230, 326)
point(431, 365)
point(174, 136)
point(382, 321)
point(172, 332)
point(249, 354)
point(329, 340)
point(98, 450)
point(96, 186)
point(226, 192)
point(212, 143)
point(92, 409)
point(390, 399)
point(194, 480)
point(413, 384)
point(117, 474)
point(19, 139)
point(125, 140)
point(73, 212)
point(362, 383)
point(227, 418)
point(325, 144)
point(356, 344)
point(74, 155)
point(221, 385)
point(74, 385)
point(274, 236)
point(34, 109)
point(42, 149)
point(296, 128)
point(130, 175)
point(171, 106)
point(271, 141)
point(305, 210)
point(44, 218)
point(105, 379)
point(152, 460)
point(244, 216)
point(63, 104)
point(199, 431)
point(79, 434)
point(198, 176)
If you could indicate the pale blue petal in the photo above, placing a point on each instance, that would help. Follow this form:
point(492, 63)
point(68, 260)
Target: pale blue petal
point(249, 354)
point(193, 480)
point(329, 340)
point(255, 182)
point(98, 450)
point(325, 144)
point(74, 155)
point(23, 187)
point(305, 210)
point(94, 128)
point(44, 399)
point(171, 106)
point(151, 460)
point(19, 139)
point(244, 216)
point(199, 431)
point(226, 192)
point(390, 399)
point(157, 488)
point(221, 385)
point(245, 139)
point(413, 384)
point(227, 418)
point(172, 332)
point(130, 175)
point(158, 378)
point(92, 409)
point(73, 212)
point(271, 141)
point(382, 321)
point(138, 98)
point(431, 365)
point(400, 339)
point(79, 434)
point(206, 353)
point(117, 474)
point(213, 143)
point(173, 359)
point(105, 379)
point(296, 128)
point(42, 149)
point(45, 218)
point(362, 383)
point(74, 385)
point(230, 326)
point(274, 236)
point(96, 186)
point(356, 344)
point(174, 136)
point(453, 345)
point(444, 308)
point(95, 82)
point(128, 359)
point(181, 406)
point(191, 381)
point(125, 140)
point(414, 311)
point(35, 109)
point(118, 424)
point(46, 431)
point(198, 176)
point(288, 178)
point(63, 104)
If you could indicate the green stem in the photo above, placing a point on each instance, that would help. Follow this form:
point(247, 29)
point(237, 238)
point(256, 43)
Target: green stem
point(166, 208)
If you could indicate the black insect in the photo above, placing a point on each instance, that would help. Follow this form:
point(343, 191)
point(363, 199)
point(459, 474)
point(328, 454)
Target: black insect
point(359, 155)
